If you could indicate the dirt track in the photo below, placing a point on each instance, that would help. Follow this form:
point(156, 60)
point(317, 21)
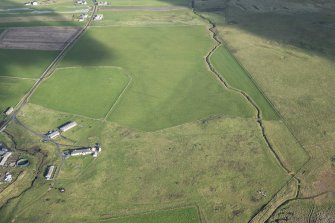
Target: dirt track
point(37, 38)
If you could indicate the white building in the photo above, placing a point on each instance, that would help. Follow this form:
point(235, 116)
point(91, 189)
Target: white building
point(81, 152)
point(9, 111)
point(68, 126)
point(82, 2)
point(5, 157)
point(8, 178)
point(53, 134)
point(50, 173)
point(94, 151)
point(98, 17)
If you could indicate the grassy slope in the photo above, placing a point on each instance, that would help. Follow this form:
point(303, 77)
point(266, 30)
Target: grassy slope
point(185, 215)
point(289, 150)
point(294, 65)
point(24, 63)
point(218, 163)
point(85, 91)
point(306, 101)
point(11, 91)
point(171, 85)
point(237, 78)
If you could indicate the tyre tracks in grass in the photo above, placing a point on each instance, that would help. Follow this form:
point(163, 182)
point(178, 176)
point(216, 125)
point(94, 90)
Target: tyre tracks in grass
point(265, 212)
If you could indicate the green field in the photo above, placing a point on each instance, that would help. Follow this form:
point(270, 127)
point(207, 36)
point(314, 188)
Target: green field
point(185, 215)
point(177, 146)
point(11, 90)
point(171, 85)
point(25, 63)
point(218, 163)
point(229, 68)
point(98, 90)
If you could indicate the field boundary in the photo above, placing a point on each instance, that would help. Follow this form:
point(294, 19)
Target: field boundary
point(119, 97)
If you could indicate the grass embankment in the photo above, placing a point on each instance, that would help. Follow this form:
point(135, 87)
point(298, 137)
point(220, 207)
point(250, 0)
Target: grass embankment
point(288, 150)
point(236, 76)
point(171, 85)
point(88, 91)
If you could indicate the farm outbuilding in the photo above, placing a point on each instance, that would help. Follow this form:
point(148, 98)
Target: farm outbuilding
point(68, 126)
point(50, 173)
point(98, 17)
point(8, 110)
point(81, 152)
point(4, 158)
point(94, 151)
point(52, 134)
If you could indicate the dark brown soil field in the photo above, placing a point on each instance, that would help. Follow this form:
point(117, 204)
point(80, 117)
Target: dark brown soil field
point(37, 38)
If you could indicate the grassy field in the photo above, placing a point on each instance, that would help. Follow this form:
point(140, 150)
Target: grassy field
point(24, 63)
point(219, 163)
point(176, 137)
point(11, 91)
point(98, 90)
point(170, 85)
point(185, 215)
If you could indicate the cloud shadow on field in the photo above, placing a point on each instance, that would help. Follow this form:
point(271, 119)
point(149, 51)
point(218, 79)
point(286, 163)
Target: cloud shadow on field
point(307, 25)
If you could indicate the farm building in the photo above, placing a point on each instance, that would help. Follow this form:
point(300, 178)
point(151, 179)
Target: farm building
point(4, 158)
point(81, 2)
point(68, 126)
point(82, 17)
point(8, 111)
point(8, 177)
point(102, 3)
point(98, 17)
point(31, 3)
point(50, 173)
point(81, 152)
point(94, 151)
point(52, 134)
